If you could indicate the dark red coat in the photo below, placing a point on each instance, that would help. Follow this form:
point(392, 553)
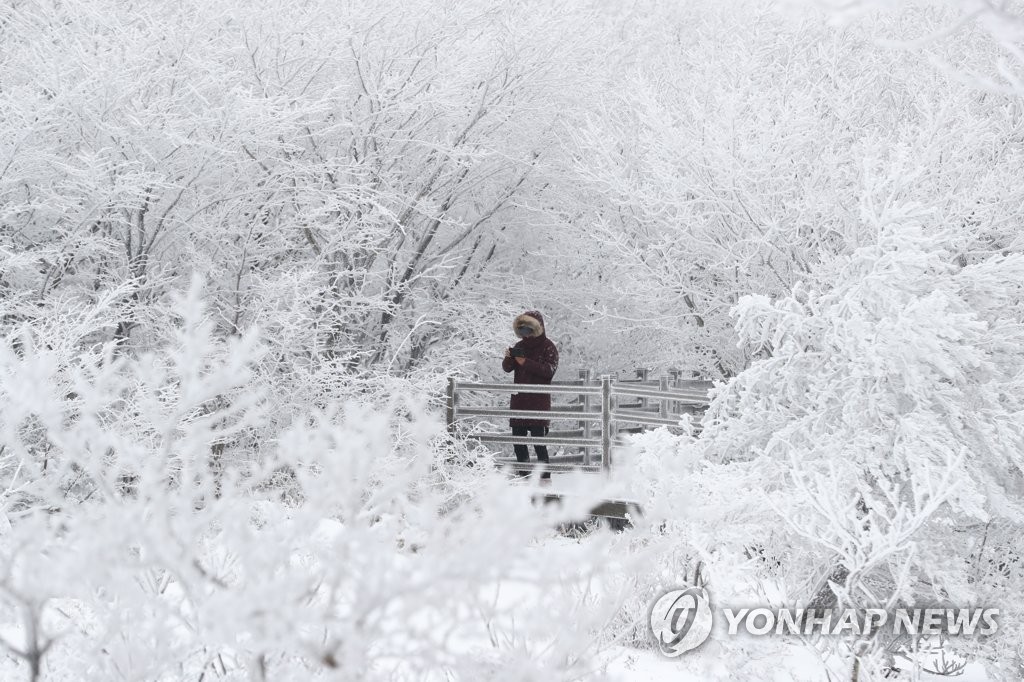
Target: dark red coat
point(538, 368)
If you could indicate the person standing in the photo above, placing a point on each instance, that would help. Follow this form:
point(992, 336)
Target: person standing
point(534, 360)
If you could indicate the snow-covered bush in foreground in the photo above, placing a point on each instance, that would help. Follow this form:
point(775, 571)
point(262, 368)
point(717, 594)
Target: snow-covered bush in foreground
point(140, 542)
point(680, 539)
point(879, 442)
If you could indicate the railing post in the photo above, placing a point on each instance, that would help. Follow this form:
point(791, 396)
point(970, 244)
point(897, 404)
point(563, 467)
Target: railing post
point(642, 375)
point(606, 422)
point(675, 375)
point(449, 416)
point(663, 403)
point(584, 424)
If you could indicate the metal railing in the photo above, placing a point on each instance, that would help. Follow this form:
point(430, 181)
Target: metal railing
point(654, 404)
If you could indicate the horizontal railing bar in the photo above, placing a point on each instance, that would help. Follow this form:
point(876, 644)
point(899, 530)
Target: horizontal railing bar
point(643, 418)
point(531, 388)
point(640, 391)
point(571, 459)
point(640, 407)
point(676, 396)
point(627, 416)
point(526, 414)
point(653, 393)
point(535, 440)
point(575, 409)
point(574, 435)
point(554, 467)
point(538, 464)
point(692, 384)
point(534, 463)
point(681, 384)
point(697, 430)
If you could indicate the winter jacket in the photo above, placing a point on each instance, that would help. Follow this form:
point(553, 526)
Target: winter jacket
point(538, 368)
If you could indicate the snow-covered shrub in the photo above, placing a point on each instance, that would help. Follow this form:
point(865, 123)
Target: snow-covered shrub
point(649, 471)
point(726, 159)
point(142, 542)
point(879, 440)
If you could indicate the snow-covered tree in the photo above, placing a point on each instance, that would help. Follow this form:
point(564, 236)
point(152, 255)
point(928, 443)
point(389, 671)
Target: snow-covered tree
point(135, 547)
point(878, 441)
point(729, 155)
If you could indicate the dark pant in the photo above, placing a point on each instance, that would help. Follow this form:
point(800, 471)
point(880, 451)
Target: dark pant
point(523, 451)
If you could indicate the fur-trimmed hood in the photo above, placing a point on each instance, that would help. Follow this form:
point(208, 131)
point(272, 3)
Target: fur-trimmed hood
point(536, 364)
point(531, 318)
